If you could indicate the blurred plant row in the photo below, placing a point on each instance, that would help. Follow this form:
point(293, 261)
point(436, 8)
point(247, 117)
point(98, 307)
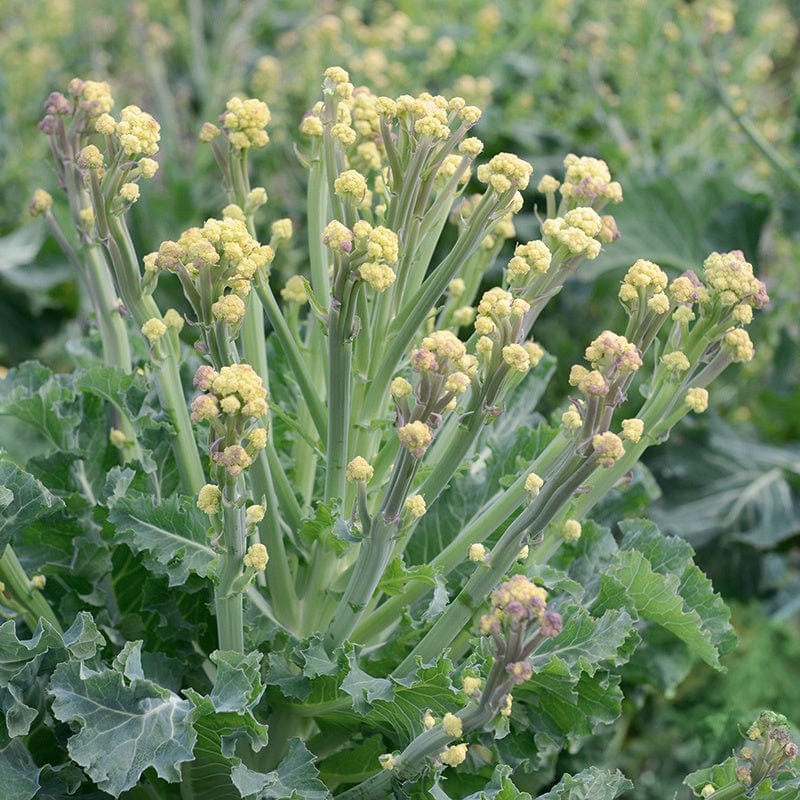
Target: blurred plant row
point(695, 107)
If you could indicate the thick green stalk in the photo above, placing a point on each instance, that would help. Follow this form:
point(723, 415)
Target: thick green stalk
point(427, 744)
point(293, 356)
point(488, 519)
point(533, 520)
point(30, 600)
point(340, 351)
point(412, 314)
point(278, 573)
point(228, 596)
point(170, 388)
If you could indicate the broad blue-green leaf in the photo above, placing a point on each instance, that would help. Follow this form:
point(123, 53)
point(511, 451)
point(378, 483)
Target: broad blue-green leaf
point(29, 501)
point(632, 583)
point(564, 706)
point(353, 764)
point(439, 599)
point(286, 675)
point(16, 715)
point(237, 686)
point(669, 554)
point(316, 660)
point(721, 484)
point(428, 686)
point(676, 220)
point(296, 773)
point(171, 533)
point(20, 659)
point(19, 775)
point(125, 727)
point(32, 394)
point(20, 247)
point(208, 775)
point(571, 692)
point(82, 638)
point(589, 784)
point(586, 643)
point(105, 381)
point(363, 688)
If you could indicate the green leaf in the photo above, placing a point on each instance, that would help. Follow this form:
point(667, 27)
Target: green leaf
point(586, 643)
point(723, 484)
point(363, 688)
point(20, 659)
point(676, 220)
point(20, 775)
point(237, 686)
point(400, 712)
point(286, 675)
point(109, 383)
point(785, 787)
point(295, 774)
point(315, 658)
point(500, 787)
point(208, 775)
point(17, 716)
point(439, 599)
point(171, 533)
point(20, 247)
point(32, 394)
point(719, 775)
point(29, 500)
point(632, 583)
point(668, 554)
point(125, 726)
point(353, 764)
point(326, 528)
point(589, 784)
point(397, 575)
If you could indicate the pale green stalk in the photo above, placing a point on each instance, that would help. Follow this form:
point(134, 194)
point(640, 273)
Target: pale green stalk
point(411, 316)
point(227, 595)
point(417, 753)
point(167, 369)
point(488, 519)
point(529, 524)
point(374, 554)
point(25, 598)
point(293, 355)
point(303, 455)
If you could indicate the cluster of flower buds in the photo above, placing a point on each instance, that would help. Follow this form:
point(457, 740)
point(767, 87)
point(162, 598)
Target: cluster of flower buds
point(518, 622)
point(115, 163)
point(371, 251)
point(445, 371)
point(216, 265)
point(708, 318)
point(243, 123)
point(500, 325)
point(233, 402)
point(769, 752)
point(587, 182)
point(404, 156)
